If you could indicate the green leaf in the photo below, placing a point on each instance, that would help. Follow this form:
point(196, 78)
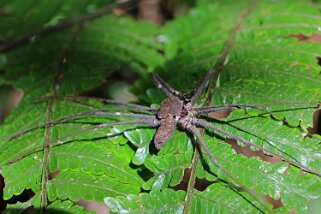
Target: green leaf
point(76, 185)
point(167, 201)
point(20, 176)
point(20, 207)
point(169, 165)
point(219, 199)
point(140, 138)
point(250, 44)
point(60, 206)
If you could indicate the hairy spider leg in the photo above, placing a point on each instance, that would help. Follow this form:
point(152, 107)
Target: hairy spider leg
point(275, 103)
point(108, 101)
point(210, 109)
point(136, 106)
point(230, 107)
point(150, 122)
point(164, 87)
point(94, 113)
point(205, 124)
point(201, 141)
point(200, 88)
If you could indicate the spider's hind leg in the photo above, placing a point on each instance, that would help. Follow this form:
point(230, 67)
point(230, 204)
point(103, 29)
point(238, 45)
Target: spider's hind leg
point(213, 160)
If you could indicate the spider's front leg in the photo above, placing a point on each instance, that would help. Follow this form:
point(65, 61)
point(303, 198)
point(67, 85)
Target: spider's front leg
point(78, 115)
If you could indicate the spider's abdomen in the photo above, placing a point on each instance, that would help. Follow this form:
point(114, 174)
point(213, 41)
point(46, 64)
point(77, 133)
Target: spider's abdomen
point(164, 131)
point(168, 115)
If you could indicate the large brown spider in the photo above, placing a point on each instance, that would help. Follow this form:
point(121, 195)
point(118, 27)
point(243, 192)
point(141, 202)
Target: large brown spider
point(177, 110)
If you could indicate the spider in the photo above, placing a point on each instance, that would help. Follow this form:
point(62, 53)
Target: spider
point(176, 111)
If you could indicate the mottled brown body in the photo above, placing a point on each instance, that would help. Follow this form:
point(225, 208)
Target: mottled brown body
point(168, 114)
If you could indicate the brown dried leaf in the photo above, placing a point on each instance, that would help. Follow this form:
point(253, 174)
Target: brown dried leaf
point(314, 38)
